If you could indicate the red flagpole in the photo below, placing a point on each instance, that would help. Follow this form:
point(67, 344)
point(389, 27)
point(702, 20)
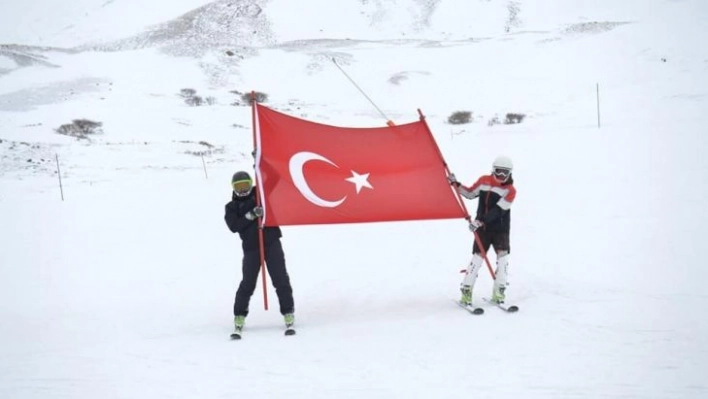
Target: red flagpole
point(459, 197)
point(258, 203)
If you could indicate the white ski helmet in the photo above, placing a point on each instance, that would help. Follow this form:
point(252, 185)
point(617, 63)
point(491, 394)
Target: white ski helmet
point(502, 168)
point(503, 162)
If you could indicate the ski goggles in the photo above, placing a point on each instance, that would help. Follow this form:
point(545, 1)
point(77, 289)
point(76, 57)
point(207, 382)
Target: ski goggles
point(501, 173)
point(242, 187)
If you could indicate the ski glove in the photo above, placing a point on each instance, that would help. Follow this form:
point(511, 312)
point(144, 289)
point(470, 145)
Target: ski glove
point(258, 211)
point(254, 213)
point(453, 180)
point(475, 224)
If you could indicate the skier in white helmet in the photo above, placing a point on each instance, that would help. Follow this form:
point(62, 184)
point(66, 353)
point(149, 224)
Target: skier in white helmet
point(492, 224)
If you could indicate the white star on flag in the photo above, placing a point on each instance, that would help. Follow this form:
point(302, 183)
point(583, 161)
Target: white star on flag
point(359, 181)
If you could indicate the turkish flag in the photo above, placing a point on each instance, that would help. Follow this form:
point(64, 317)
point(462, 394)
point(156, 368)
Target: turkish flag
point(310, 173)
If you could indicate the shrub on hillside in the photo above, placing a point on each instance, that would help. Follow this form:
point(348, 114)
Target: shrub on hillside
point(80, 128)
point(187, 93)
point(512, 118)
point(459, 118)
point(209, 149)
point(260, 98)
point(193, 100)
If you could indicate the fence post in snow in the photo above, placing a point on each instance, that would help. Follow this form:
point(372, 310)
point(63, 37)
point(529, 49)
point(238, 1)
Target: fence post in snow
point(204, 164)
point(598, 105)
point(61, 188)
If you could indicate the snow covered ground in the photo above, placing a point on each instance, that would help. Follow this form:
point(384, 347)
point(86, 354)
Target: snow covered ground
point(124, 289)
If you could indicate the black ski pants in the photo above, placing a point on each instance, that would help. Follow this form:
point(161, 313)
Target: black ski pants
point(498, 239)
point(275, 263)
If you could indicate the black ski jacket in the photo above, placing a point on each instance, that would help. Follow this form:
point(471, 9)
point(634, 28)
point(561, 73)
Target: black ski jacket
point(495, 200)
point(237, 222)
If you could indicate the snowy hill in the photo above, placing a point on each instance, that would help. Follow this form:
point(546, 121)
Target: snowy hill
point(124, 289)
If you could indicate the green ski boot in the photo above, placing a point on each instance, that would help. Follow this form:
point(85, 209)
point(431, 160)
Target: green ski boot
point(466, 297)
point(498, 295)
point(289, 323)
point(239, 322)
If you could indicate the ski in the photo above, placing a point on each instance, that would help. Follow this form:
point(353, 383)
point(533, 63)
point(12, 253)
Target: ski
point(470, 308)
point(235, 336)
point(506, 308)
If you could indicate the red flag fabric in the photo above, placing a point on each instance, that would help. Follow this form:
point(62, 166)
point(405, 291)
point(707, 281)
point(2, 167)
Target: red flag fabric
point(310, 173)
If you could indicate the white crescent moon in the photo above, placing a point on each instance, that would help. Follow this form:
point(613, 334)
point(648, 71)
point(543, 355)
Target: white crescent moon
point(297, 162)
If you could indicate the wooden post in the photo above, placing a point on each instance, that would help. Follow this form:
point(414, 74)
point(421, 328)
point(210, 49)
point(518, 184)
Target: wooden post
point(61, 188)
point(598, 105)
point(204, 164)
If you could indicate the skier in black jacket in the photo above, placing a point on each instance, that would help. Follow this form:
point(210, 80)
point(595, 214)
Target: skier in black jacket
point(241, 217)
point(492, 223)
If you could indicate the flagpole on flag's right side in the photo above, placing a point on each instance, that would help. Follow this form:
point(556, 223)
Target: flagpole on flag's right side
point(459, 197)
point(258, 200)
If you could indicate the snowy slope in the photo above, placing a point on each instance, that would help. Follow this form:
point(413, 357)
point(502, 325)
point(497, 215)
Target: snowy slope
point(125, 288)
